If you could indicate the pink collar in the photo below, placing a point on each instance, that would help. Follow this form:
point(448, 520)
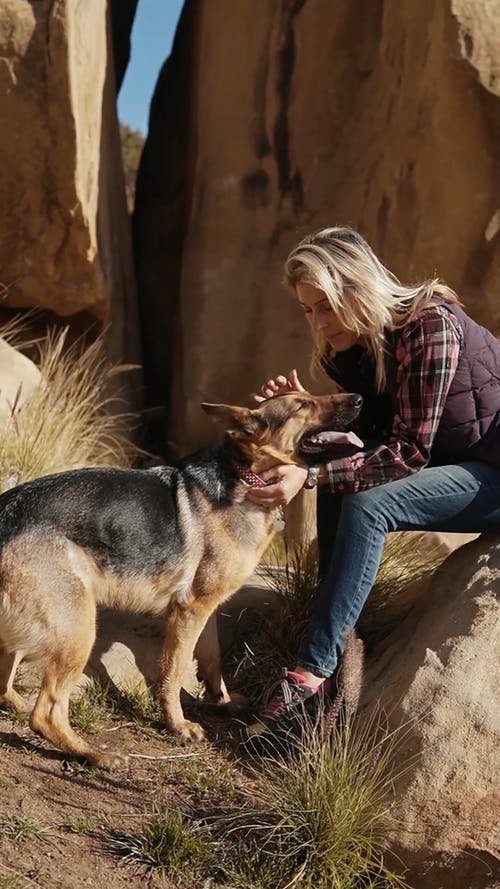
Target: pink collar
point(250, 478)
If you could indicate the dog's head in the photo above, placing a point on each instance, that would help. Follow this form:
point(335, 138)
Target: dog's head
point(287, 428)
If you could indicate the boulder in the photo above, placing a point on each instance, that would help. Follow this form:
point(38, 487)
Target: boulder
point(19, 377)
point(438, 676)
point(66, 244)
point(381, 115)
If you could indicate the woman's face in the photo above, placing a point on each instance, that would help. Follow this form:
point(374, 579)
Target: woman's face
point(322, 319)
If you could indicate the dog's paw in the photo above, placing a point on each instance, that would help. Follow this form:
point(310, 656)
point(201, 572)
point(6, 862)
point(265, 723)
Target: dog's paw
point(235, 703)
point(190, 731)
point(109, 759)
point(13, 701)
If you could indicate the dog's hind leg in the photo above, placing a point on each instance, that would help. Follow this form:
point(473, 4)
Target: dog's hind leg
point(50, 716)
point(9, 662)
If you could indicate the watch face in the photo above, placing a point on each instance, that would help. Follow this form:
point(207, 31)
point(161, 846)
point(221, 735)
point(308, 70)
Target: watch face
point(312, 477)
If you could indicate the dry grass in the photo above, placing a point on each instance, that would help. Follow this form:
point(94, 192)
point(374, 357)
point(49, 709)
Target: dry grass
point(291, 574)
point(19, 827)
point(318, 819)
point(71, 420)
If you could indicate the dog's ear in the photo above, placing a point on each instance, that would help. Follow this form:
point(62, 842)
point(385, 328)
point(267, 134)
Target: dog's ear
point(236, 419)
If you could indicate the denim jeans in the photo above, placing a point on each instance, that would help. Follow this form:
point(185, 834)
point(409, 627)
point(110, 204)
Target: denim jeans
point(351, 534)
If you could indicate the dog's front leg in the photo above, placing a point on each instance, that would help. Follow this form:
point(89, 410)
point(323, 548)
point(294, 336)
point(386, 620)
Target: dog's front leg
point(9, 663)
point(207, 653)
point(184, 625)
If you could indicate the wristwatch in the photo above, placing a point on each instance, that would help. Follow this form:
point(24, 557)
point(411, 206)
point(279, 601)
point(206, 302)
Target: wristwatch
point(312, 477)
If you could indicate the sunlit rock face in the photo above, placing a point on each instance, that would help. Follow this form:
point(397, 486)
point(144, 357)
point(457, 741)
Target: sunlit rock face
point(435, 680)
point(273, 119)
point(65, 243)
point(19, 377)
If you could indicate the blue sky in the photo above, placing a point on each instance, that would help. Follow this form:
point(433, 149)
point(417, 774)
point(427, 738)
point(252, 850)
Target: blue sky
point(152, 36)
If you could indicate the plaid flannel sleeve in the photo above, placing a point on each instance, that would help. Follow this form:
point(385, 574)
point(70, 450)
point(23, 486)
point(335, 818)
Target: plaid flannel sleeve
point(427, 355)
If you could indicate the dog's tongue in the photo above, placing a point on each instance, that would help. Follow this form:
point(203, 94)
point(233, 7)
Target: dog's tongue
point(340, 438)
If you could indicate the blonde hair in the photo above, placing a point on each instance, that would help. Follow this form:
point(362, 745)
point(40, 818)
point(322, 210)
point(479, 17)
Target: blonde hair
point(365, 296)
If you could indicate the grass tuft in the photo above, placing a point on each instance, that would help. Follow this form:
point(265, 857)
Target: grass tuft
point(71, 420)
point(290, 572)
point(319, 818)
point(101, 701)
point(9, 882)
point(80, 824)
point(168, 842)
point(20, 827)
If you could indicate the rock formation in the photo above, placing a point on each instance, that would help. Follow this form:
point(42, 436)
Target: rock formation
point(122, 19)
point(272, 119)
point(65, 246)
point(438, 675)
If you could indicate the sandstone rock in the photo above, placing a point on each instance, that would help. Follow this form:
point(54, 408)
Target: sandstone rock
point(384, 116)
point(19, 377)
point(65, 245)
point(405, 576)
point(439, 675)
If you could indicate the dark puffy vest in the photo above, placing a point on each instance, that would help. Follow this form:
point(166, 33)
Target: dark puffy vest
point(470, 424)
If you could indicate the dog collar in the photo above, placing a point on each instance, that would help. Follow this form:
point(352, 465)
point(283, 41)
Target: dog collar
point(256, 481)
point(246, 475)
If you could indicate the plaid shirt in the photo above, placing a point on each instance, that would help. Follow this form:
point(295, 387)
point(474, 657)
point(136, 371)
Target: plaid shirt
point(426, 354)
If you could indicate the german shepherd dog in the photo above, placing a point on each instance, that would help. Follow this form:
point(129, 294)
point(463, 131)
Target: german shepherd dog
point(170, 540)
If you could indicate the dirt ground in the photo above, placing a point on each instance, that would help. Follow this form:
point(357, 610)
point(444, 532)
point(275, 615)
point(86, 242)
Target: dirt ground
point(69, 806)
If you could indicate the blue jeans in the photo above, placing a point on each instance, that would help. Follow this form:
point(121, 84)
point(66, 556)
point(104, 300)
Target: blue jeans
point(351, 534)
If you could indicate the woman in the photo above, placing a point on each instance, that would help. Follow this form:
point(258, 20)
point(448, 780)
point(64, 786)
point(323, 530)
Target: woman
point(430, 423)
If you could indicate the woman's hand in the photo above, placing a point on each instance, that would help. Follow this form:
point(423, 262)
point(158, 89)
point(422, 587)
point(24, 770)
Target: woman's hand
point(285, 481)
point(280, 386)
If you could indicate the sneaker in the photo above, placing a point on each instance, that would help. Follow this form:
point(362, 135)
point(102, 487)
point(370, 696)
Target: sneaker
point(291, 705)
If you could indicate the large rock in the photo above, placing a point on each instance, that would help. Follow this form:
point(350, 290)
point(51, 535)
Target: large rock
point(65, 245)
point(438, 674)
point(19, 377)
point(122, 19)
point(382, 115)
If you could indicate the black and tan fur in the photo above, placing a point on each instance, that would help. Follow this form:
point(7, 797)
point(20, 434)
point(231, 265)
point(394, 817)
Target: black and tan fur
point(176, 541)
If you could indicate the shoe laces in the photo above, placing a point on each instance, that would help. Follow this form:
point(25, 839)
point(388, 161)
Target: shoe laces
point(290, 692)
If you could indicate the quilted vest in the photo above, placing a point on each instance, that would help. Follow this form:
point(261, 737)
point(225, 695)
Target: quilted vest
point(470, 424)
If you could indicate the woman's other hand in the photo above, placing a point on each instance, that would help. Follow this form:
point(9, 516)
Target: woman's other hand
point(280, 386)
point(284, 482)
